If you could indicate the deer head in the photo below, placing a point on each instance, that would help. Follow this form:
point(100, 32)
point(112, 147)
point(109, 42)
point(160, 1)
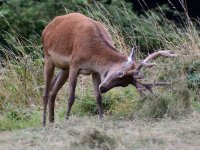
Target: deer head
point(129, 73)
point(118, 74)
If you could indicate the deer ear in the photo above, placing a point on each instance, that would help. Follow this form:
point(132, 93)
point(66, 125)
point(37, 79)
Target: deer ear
point(120, 74)
point(131, 58)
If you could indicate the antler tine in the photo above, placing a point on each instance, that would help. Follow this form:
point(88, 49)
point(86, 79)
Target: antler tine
point(166, 53)
point(148, 86)
point(131, 58)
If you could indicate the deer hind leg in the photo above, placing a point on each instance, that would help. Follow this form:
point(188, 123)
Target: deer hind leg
point(96, 82)
point(57, 84)
point(73, 74)
point(48, 75)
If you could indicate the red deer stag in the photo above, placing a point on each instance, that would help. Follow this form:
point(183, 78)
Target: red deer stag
point(77, 45)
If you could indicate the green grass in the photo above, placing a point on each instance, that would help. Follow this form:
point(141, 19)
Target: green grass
point(17, 119)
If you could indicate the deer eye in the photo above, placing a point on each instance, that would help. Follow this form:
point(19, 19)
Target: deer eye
point(120, 74)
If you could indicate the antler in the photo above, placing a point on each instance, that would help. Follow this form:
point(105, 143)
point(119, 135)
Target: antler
point(166, 53)
point(148, 86)
point(135, 72)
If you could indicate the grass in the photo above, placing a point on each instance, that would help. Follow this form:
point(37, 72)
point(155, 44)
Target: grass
point(13, 120)
point(91, 133)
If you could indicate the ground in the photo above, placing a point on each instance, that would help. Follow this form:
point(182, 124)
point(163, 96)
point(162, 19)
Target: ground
point(92, 133)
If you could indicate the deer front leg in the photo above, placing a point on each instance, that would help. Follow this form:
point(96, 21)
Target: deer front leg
point(96, 82)
point(48, 75)
point(73, 74)
point(57, 84)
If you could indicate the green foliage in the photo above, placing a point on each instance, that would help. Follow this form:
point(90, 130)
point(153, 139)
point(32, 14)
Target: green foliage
point(165, 103)
point(194, 75)
point(28, 17)
point(118, 102)
point(19, 118)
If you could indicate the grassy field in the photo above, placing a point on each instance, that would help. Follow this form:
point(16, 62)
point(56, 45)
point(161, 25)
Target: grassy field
point(167, 119)
point(91, 133)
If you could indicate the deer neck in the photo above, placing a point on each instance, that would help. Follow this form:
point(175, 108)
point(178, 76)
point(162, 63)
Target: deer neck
point(107, 61)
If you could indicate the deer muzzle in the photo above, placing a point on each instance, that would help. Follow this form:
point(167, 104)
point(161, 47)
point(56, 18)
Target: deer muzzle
point(103, 89)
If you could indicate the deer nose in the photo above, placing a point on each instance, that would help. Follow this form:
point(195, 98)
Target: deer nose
point(102, 89)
